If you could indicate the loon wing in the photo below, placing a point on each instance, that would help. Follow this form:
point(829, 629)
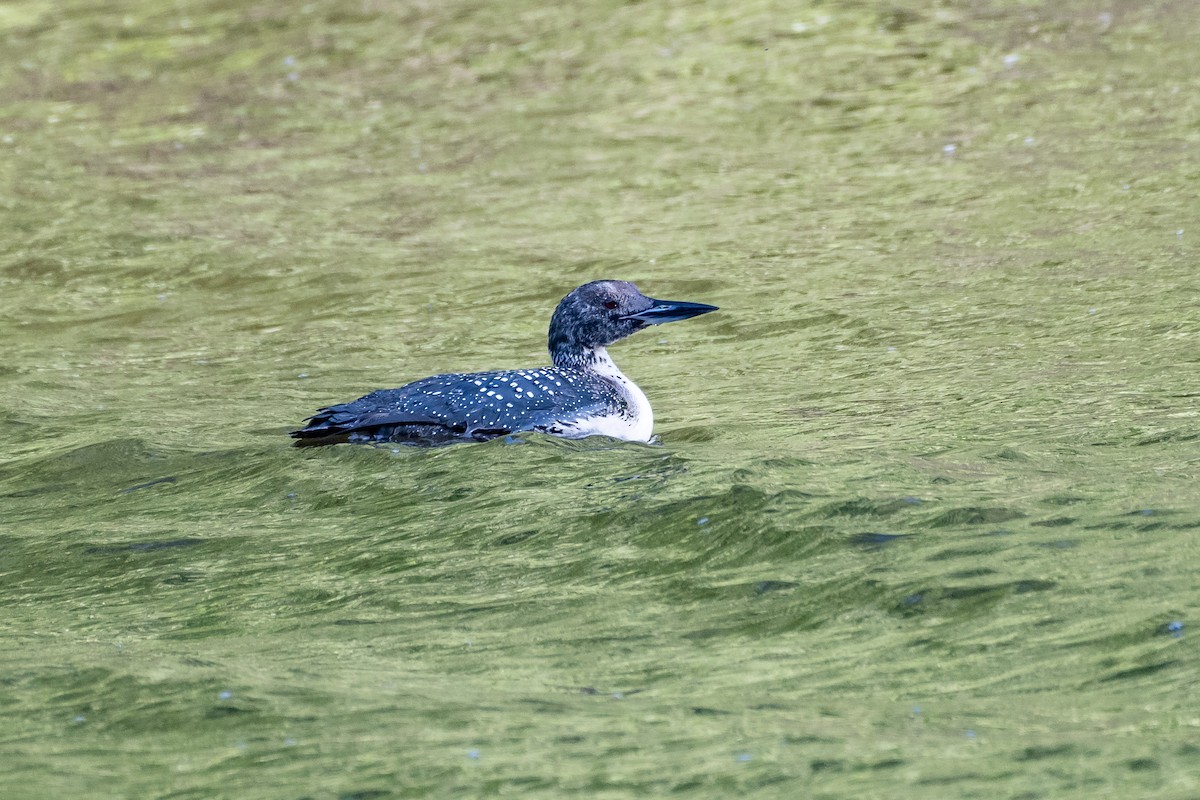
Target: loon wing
point(479, 405)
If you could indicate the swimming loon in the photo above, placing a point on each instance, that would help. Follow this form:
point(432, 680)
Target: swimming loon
point(582, 394)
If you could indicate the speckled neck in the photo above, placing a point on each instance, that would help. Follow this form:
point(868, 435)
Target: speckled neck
point(577, 357)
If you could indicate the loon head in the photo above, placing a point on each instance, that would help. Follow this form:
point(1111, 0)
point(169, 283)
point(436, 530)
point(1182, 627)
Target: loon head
point(602, 312)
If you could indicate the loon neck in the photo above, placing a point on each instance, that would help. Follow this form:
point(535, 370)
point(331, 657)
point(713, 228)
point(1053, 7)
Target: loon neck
point(588, 359)
point(629, 415)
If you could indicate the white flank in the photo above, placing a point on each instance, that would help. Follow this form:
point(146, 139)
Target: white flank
point(638, 426)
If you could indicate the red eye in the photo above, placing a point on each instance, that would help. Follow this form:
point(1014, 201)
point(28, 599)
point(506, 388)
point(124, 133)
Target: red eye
point(610, 304)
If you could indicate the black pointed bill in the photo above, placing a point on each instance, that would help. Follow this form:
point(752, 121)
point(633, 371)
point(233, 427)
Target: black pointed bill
point(670, 311)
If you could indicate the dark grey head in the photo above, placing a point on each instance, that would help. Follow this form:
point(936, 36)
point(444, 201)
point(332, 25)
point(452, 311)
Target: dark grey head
point(602, 312)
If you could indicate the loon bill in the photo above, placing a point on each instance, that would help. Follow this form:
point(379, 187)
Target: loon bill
point(582, 394)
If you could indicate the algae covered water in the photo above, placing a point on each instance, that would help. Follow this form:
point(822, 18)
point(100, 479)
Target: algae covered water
point(923, 516)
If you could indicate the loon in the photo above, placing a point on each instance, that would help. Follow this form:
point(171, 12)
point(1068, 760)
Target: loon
point(582, 394)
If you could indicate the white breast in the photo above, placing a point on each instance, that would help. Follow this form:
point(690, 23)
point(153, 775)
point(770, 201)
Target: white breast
point(638, 426)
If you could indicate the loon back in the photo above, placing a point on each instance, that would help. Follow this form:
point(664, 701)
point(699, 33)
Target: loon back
point(584, 393)
point(469, 407)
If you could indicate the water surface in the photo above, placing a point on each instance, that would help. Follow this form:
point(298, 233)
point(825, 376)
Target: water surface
point(923, 514)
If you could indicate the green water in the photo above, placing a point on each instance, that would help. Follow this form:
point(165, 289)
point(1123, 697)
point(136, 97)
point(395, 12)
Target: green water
point(926, 498)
